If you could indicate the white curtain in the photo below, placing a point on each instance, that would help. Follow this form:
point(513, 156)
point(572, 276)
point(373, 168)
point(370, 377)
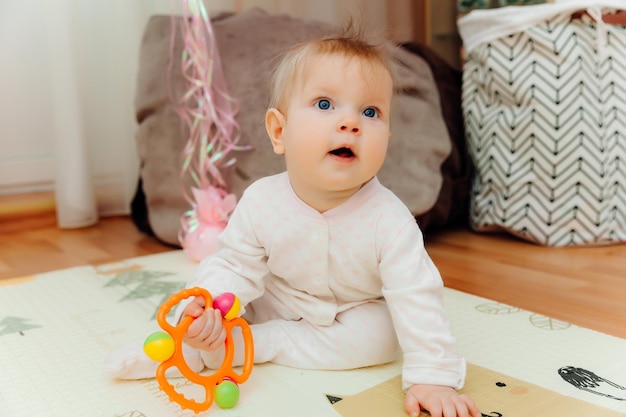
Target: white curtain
point(79, 90)
point(92, 53)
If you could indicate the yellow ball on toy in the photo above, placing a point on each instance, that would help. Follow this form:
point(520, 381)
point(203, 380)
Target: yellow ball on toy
point(228, 304)
point(159, 346)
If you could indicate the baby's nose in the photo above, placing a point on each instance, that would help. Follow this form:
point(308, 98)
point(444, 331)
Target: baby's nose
point(353, 129)
point(349, 124)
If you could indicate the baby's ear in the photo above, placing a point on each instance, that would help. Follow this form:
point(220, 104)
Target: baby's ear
point(274, 123)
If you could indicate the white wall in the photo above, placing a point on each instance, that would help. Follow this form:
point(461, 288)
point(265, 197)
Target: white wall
point(81, 55)
point(25, 152)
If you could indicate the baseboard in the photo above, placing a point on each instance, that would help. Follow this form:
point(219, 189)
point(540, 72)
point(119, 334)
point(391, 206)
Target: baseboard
point(26, 205)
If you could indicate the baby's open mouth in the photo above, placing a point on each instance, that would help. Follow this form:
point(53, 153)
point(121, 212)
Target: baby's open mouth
point(343, 152)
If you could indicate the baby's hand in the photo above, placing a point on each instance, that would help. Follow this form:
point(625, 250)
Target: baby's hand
point(439, 401)
point(206, 332)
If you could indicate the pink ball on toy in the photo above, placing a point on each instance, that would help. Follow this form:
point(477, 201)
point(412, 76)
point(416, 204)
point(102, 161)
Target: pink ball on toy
point(228, 304)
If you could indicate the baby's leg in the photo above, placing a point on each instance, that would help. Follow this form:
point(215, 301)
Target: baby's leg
point(361, 336)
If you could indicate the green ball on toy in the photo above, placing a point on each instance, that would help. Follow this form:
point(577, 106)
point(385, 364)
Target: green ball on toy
point(159, 346)
point(226, 394)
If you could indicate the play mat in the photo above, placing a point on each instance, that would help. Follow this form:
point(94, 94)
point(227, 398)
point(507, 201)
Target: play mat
point(57, 327)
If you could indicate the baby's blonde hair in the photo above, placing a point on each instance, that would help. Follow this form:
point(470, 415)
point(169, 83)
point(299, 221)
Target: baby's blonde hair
point(350, 43)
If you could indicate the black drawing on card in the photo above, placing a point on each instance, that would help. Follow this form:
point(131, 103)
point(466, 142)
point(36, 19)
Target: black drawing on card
point(332, 399)
point(499, 384)
point(588, 381)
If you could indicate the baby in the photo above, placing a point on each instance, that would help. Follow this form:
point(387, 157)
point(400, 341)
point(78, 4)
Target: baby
point(329, 265)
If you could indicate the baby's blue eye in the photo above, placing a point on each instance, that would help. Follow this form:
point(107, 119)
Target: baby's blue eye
point(370, 112)
point(323, 104)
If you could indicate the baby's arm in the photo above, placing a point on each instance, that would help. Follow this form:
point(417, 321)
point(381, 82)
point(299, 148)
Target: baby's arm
point(413, 289)
point(206, 332)
point(440, 401)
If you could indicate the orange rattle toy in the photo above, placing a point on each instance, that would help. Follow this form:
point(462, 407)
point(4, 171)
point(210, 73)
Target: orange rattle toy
point(167, 349)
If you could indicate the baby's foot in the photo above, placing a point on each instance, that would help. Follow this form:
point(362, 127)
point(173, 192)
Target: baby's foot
point(130, 362)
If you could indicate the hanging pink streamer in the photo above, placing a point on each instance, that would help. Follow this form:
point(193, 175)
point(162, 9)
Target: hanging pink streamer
point(208, 112)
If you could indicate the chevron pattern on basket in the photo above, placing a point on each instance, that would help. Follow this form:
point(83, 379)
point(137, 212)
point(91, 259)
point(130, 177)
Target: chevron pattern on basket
point(545, 120)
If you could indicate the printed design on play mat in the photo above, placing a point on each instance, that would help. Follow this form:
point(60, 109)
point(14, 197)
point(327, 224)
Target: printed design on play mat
point(11, 325)
point(537, 320)
point(386, 398)
point(334, 400)
point(132, 414)
point(144, 284)
point(588, 381)
point(496, 394)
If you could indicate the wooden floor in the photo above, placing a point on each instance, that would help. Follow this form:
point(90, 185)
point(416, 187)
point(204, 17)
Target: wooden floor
point(584, 286)
point(34, 244)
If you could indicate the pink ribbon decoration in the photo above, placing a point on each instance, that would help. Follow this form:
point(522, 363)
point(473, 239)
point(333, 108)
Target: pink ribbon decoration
point(208, 112)
point(204, 224)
